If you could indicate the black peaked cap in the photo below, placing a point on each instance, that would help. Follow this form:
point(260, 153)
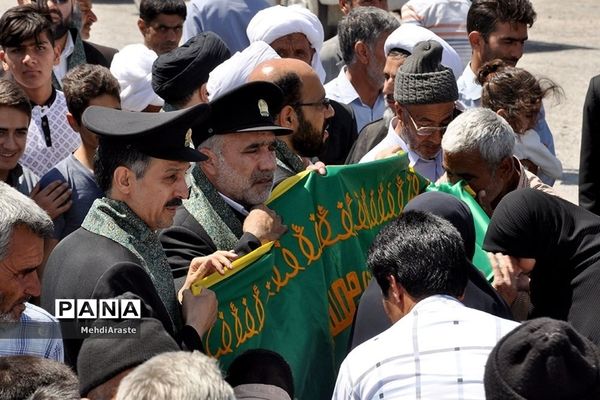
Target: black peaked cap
point(164, 135)
point(250, 107)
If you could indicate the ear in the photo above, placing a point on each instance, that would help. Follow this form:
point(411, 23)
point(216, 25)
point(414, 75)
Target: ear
point(398, 110)
point(203, 93)
point(287, 118)
point(475, 39)
point(345, 6)
point(72, 122)
point(394, 302)
point(2, 58)
point(141, 26)
point(56, 55)
point(209, 167)
point(505, 168)
point(503, 113)
point(362, 52)
point(123, 179)
point(395, 292)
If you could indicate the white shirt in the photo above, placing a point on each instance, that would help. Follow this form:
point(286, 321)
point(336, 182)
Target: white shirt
point(341, 90)
point(60, 70)
point(445, 18)
point(528, 146)
point(38, 156)
point(438, 351)
point(430, 169)
point(469, 90)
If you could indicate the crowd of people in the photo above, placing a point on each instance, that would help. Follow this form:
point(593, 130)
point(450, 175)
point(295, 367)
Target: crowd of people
point(130, 174)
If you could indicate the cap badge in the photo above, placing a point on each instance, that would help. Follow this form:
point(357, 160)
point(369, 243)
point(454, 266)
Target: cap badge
point(263, 107)
point(188, 138)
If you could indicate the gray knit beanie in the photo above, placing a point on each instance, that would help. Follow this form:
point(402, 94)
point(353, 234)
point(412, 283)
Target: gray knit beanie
point(422, 79)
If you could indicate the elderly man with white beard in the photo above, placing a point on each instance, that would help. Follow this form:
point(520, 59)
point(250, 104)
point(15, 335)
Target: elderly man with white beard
point(398, 46)
point(225, 210)
point(425, 93)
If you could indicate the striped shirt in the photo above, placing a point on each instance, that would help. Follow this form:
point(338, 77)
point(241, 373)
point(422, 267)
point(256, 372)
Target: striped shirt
point(36, 334)
point(437, 351)
point(445, 18)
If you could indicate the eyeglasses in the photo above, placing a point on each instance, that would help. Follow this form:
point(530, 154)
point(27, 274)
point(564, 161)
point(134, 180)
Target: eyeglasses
point(324, 102)
point(426, 130)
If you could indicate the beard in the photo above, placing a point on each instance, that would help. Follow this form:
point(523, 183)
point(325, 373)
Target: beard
point(388, 114)
point(9, 316)
point(375, 74)
point(243, 190)
point(60, 28)
point(308, 140)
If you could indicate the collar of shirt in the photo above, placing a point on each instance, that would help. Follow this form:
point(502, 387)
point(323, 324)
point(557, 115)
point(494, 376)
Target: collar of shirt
point(343, 91)
point(523, 178)
point(235, 205)
point(431, 303)
point(467, 85)
point(44, 107)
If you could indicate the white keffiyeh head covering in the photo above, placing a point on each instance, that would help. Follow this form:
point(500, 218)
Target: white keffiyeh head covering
point(132, 66)
point(234, 72)
point(274, 22)
point(408, 35)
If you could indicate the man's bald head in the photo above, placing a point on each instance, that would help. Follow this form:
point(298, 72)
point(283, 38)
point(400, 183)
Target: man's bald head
point(275, 69)
point(290, 74)
point(305, 109)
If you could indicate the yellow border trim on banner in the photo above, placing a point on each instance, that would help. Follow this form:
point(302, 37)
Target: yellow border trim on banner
point(286, 185)
point(237, 265)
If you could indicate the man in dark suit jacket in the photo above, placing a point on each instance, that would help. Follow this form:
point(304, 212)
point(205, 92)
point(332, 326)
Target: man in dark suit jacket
point(116, 251)
point(369, 137)
point(589, 160)
point(225, 210)
point(89, 18)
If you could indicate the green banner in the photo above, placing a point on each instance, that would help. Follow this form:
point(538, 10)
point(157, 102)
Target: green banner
point(298, 296)
point(480, 219)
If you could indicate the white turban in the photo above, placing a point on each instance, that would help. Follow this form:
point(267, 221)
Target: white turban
point(235, 71)
point(275, 22)
point(408, 35)
point(132, 66)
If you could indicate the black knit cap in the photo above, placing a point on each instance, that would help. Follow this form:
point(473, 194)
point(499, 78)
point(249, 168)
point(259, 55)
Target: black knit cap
point(164, 135)
point(178, 73)
point(543, 359)
point(101, 359)
point(250, 107)
point(422, 79)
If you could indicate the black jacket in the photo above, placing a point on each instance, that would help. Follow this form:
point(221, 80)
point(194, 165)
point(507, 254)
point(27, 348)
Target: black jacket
point(369, 137)
point(342, 135)
point(589, 160)
point(186, 239)
point(85, 265)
